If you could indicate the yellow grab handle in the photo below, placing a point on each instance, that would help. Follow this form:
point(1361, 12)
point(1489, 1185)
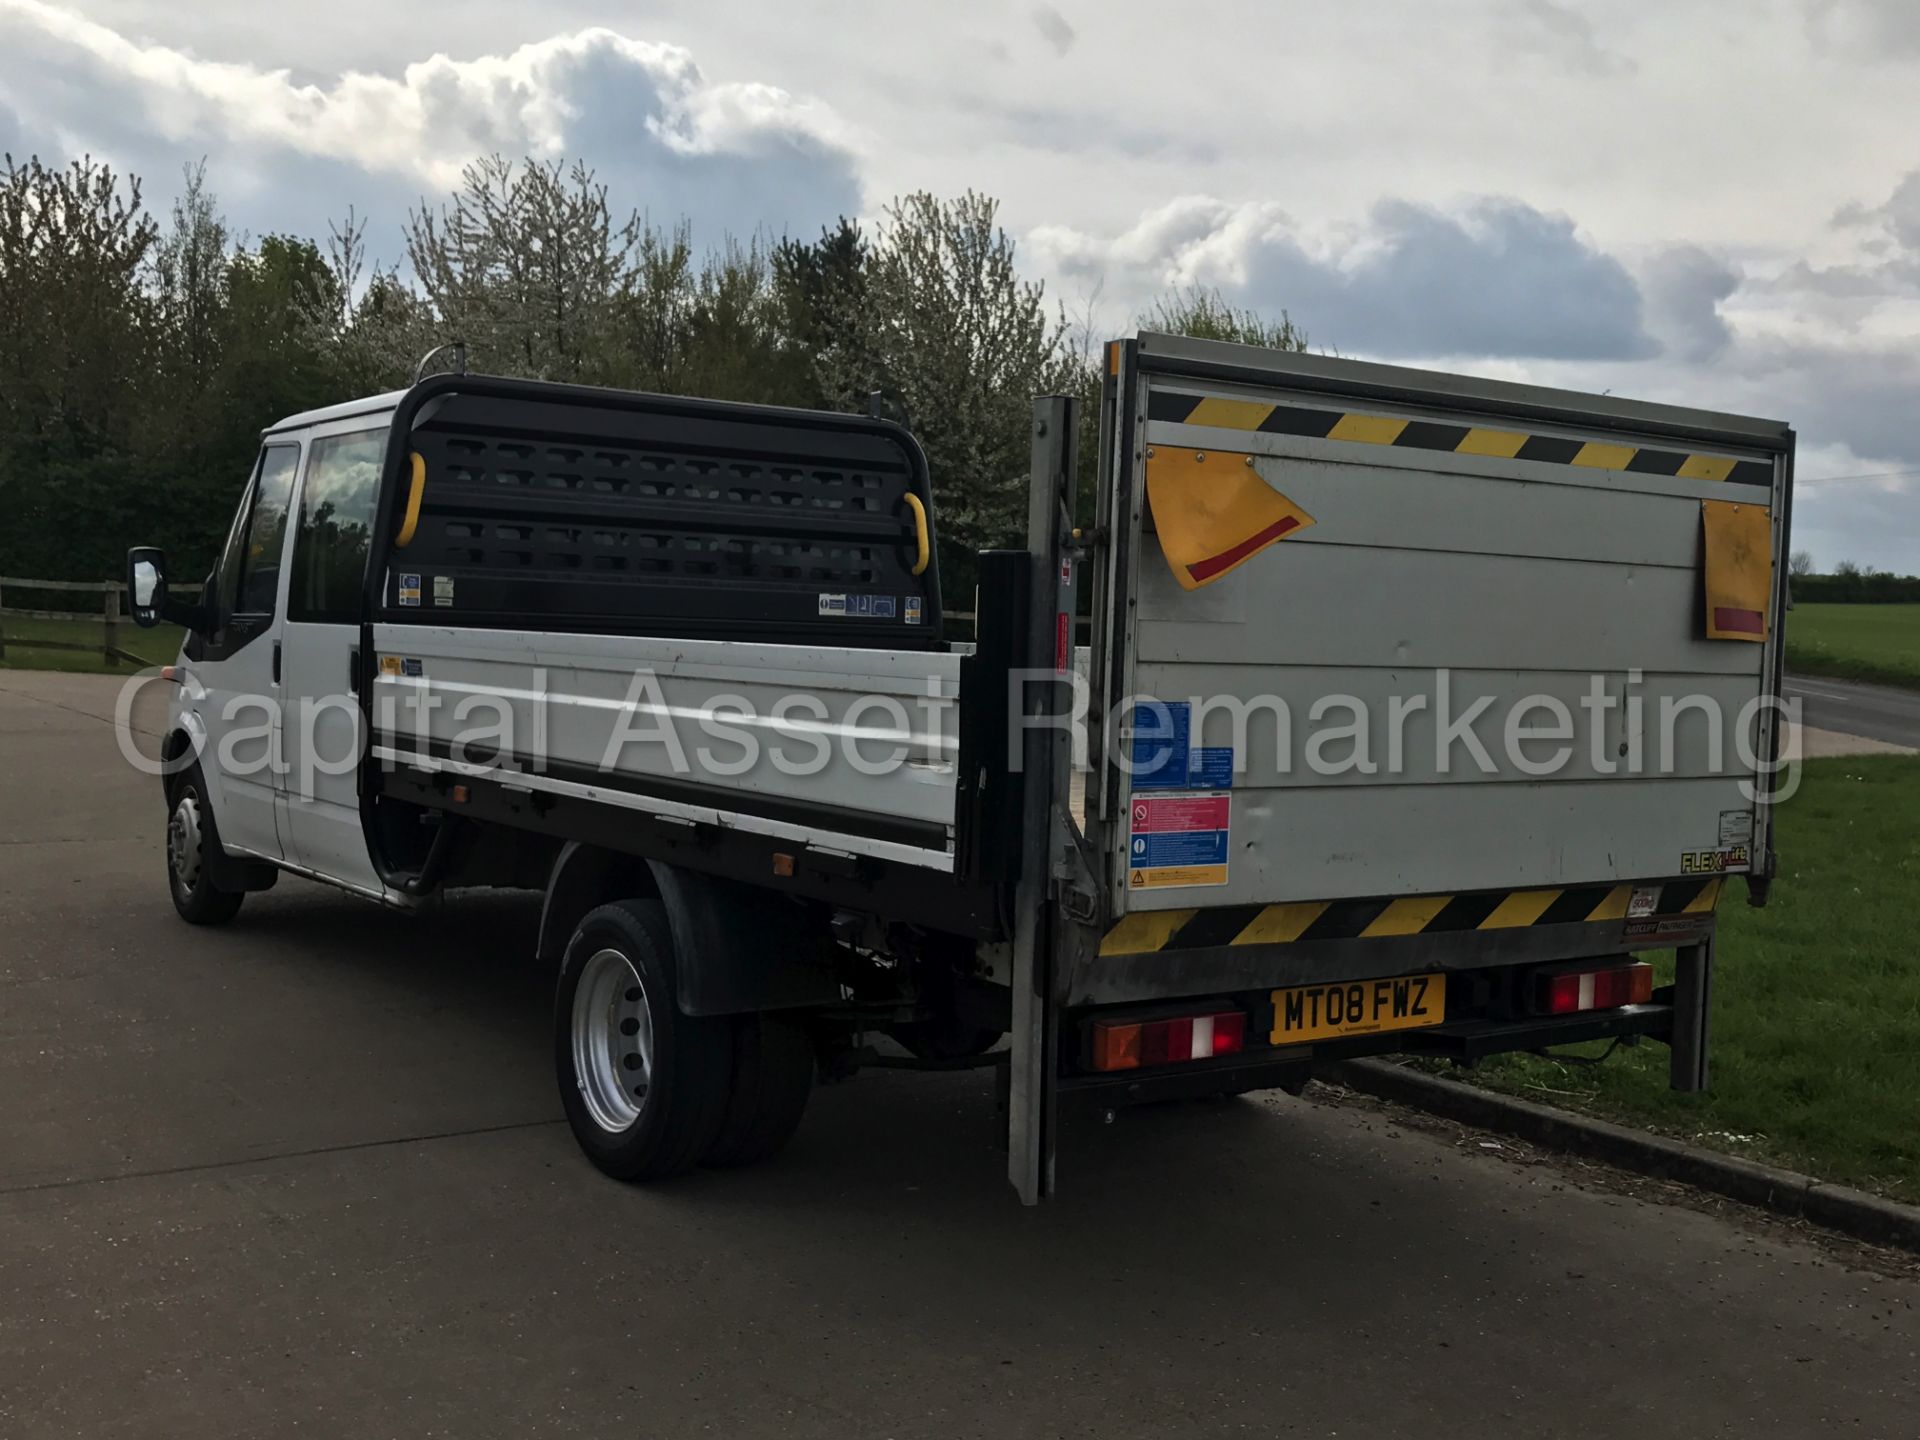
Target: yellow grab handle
point(920, 532)
point(414, 491)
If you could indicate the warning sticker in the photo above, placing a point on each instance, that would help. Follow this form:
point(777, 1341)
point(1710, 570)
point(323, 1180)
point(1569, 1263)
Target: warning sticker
point(389, 664)
point(1165, 757)
point(1179, 840)
point(913, 610)
point(866, 607)
point(409, 589)
point(1736, 827)
point(443, 590)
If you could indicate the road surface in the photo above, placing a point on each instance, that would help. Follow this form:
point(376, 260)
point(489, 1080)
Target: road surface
point(306, 1175)
point(1876, 712)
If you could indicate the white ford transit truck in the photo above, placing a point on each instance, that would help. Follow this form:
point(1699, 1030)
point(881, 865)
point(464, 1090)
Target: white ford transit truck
point(1349, 710)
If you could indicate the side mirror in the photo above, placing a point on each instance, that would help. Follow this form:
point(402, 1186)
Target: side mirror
point(146, 585)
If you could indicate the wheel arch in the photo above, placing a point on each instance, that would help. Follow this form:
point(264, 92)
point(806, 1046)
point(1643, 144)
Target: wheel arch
point(180, 752)
point(738, 948)
point(183, 746)
point(584, 876)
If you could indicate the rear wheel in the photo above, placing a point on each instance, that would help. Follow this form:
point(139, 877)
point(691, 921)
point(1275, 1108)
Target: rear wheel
point(193, 843)
point(644, 1087)
point(772, 1081)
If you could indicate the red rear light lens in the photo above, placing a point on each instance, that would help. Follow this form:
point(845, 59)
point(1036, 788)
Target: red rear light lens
point(1164, 1041)
point(1560, 994)
point(1573, 991)
point(1229, 1033)
point(1128, 1045)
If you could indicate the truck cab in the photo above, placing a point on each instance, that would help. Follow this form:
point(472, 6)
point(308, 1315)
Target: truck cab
point(269, 668)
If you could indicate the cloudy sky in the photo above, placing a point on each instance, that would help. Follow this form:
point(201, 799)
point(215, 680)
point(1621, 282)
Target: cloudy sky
point(1697, 201)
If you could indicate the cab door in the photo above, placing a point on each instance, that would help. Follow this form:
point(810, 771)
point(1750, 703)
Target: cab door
point(323, 668)
point(233, 672)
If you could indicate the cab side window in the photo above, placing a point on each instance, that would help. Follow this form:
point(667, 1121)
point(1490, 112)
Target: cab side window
point(261, 540)
point(226, 577)
point(336, 523)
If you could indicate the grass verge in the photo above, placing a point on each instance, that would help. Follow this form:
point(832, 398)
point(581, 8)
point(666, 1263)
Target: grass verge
point(1816, 1024)
point(158, 646)
point(1880, 643)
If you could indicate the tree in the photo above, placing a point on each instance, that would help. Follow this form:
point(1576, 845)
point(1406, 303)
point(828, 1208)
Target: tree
point(1801, 563)
point(1847, 569)
point(736, 344)
point(383, 329)
point(189, 286)
point(76, 328)
point(74, 318)
point(821, 288)
point(652, 311)
point(522, 265)
point(283, 302)
point(947, 326)
point(1206, 314)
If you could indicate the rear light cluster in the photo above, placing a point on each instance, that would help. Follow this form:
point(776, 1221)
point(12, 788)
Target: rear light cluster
point(1608, 989)
point(1130, 1044)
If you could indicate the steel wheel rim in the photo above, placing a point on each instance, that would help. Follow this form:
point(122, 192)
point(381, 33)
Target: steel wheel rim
point(612, 1041)
point(183, 840)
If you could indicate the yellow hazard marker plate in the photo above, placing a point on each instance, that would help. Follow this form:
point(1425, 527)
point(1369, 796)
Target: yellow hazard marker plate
point(1213, 511)
point(1739, 569)
point(1358, 1007)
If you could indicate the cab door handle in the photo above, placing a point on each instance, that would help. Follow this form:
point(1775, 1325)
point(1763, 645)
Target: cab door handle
point(276, 662)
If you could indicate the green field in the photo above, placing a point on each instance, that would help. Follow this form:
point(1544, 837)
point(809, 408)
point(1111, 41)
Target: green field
point(1816, 1025)
point(158, 646)
point(1856, 642)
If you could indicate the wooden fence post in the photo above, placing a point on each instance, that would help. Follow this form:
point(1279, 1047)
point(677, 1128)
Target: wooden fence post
point(111, 615)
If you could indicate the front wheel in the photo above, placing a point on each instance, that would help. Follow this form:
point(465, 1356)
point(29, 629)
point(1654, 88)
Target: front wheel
point(192, 844)
point(644, 1087)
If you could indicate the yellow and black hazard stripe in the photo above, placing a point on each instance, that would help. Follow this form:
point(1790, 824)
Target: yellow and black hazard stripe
point(1302, 922)
point(1404, 434)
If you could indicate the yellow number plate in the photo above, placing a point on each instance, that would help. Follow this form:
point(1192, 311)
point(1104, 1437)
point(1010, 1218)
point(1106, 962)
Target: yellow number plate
point(1359, 1007)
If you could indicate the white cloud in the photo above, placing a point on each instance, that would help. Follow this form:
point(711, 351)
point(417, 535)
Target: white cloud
point(738, 155)
point(1488, 278)
point(1560, 31)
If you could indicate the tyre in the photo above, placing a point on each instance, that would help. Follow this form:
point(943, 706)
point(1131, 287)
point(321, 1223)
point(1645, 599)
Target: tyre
point(772, 1081)
point(193, 841)
point(644, 1087)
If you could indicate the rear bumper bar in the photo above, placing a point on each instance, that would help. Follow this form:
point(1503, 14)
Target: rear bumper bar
point(1676, 1017)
